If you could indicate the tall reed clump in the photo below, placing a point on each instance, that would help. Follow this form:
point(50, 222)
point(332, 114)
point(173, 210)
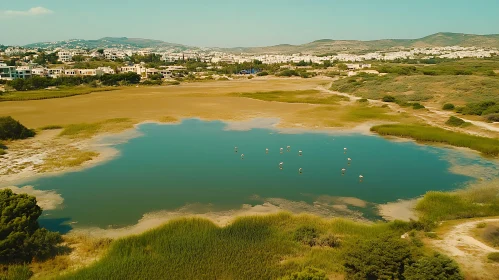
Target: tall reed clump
point(253, 247)
point(487, 146)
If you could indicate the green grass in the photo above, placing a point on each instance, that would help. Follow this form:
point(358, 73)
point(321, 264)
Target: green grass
point(48, 94)
point(477, 201)
point(86, 130)
point(51, 127)
point(487, 146)
point(299, 96)
point(254, 247)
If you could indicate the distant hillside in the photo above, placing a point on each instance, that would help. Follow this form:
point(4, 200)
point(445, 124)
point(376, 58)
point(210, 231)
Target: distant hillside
point(331, 46)
point(323, 46)
point(109, 42)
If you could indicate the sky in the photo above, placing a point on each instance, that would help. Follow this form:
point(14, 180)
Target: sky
point(230, 23)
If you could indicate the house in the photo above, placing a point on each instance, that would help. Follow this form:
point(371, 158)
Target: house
point(65, 56)
point(106, 70)
point(55, 72)
point(89, 72)
point(139, 69)
point(7, 72)
point(23, 72)
point(39, 71)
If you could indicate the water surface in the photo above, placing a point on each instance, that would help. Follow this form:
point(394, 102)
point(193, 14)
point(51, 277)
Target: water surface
point(171, 166)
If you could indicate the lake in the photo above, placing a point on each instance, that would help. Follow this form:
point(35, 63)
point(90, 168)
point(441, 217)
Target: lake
point(195, 163)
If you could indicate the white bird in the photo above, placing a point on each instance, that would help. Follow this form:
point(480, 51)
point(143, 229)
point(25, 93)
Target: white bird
point(299, 153)
point(281, 150)
point(242, 156)
point(344, 150)
point(235, 149)
point(361, 177)
point(267, 151)
point(349, 159)
point(343, 171)
point(280, 165)
point(300, 170)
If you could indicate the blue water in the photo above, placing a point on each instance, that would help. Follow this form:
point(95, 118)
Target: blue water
point(171, 166)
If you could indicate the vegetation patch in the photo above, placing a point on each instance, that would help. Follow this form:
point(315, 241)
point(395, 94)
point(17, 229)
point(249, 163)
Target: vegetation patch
point(87, 130)
point(50, 93)
point(11, 129)
point(51, 127)
point(472, 202)
point(70, 158)
point(448, 107)
point(299, 96)
point(456, 122)
point(493, 257)
point(487, 146)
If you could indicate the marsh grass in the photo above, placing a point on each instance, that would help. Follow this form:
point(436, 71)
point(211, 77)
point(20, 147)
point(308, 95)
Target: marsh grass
point(72, 157)
point(477, 201)
point(48, 94)
point(254, 247)
point(487, 146)
point(51, 127)
point(87, 130)
point(298, 96)
point(168, 119)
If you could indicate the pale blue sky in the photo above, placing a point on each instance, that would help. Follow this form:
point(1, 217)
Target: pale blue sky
point(227, 23)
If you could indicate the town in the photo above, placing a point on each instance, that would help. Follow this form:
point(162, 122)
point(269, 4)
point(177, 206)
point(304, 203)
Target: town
point(19, 62)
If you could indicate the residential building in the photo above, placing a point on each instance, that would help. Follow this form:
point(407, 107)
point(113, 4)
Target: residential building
point(7, 72)
point(23, 72)
point(106, 70)
point(39, 71)
point(65, 56)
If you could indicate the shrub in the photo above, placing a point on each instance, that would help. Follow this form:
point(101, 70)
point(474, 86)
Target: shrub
point(388, 98)
point(476, 108)
point(481, 225)
point(383, 257)
point(17, 272)
point(288, 73)
point(11, 129)
point(330, 240)
point(454, 121)
point(363, 100)
point(448, 107)
point(261, 74)
point(417, 106)
point(250, 77)
point(491, 110)
point(307, 235)
point(434, 267)
point(50, 127)
point(309, 273)
point(492, 118)
point(493, 256)
point(22, 238)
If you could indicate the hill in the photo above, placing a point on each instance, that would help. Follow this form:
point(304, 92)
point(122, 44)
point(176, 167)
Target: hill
point(110, 42)
point(323, 46)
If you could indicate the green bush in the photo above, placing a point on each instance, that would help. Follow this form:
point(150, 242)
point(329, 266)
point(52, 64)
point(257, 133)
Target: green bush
point(494, 109)
point(448, 107)
point(481, 225)
point(492, 118)
point(2, 152)
point(454, 121)
point(433, 267)
point(288, 73)
point(11, 129)
point(363, 100)
point(307, 235)
point(309, 273)
point(417, 106)
point(263, 73)
point(16, 272)
point(493, 256)
point(388, 98)
point(476, 108)
point(250, 77)
point(21, 237)
point(382, 257)
point(329, 240)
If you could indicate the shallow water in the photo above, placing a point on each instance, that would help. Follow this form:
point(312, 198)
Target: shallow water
point(170, 166)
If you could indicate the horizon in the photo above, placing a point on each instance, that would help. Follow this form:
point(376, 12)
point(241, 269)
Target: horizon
point(235, 47)
point(227, 24)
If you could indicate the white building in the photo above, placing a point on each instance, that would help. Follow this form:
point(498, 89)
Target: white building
point(65, 56)
point(106, 70)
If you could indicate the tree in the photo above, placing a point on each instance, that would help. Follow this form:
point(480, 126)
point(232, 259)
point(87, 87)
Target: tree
point(327, 63)
point(342, 66)
point(21, 238)
point(436, 267)
point(383, 257)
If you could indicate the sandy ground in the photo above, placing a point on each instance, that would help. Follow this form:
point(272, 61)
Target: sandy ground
point(399, 210)
point(470, 253)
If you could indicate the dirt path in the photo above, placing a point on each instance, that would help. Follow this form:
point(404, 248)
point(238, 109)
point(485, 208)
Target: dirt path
point(429, 116)
point(470, 253)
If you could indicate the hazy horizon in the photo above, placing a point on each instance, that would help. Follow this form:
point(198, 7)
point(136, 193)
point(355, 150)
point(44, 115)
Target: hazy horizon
point(242, 24)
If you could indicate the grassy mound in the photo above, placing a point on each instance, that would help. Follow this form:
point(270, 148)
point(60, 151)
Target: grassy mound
point(487, 146)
